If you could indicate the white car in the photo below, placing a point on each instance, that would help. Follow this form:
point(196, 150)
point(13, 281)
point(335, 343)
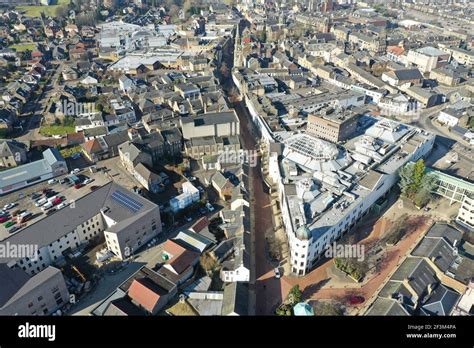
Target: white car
point(87, 181)
point(75, 171)
point(277, 273)
point(9, 206)
point(61, 205)
point(209, 207)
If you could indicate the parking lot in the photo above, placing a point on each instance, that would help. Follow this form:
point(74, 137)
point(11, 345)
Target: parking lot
point(24, 203)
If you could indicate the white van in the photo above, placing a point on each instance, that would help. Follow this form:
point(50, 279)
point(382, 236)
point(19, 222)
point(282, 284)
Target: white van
point(52, 181)
point(51, 199)
point(40, 202)
point(47, 206)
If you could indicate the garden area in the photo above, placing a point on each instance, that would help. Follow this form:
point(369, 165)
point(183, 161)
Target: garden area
point(60, 127)
point(22, 47)
point(352, 267)
point(68, 152)
point(35, 10)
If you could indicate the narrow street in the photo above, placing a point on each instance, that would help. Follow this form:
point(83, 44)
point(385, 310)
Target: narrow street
point(262, 278)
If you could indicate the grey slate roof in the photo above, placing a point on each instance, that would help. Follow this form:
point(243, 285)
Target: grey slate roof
point(236, 296)
point(441, 301)
point(16, 283)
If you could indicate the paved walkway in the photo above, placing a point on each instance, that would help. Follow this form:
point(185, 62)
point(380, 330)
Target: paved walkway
point(314, 284)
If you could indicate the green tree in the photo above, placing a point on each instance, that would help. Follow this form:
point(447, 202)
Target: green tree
point(415, 183)
point(295, 295)
point(284, 310)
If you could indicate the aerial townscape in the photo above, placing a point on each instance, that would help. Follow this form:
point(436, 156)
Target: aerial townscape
point(236, 158)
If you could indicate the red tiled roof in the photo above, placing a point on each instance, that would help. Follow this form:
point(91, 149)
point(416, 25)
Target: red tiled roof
point(92, 146)
point(181, 258)
point(173, 248)
point(183, 261)
point(200, 224)
point(397, 50)
point(141, 293)
point(75, 138)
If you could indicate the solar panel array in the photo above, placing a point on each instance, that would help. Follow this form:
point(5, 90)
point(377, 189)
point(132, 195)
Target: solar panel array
point(126, 201)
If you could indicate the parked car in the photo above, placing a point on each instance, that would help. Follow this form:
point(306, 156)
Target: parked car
point(4, 219)
point(202, 211)
point(209, 207)
point(355, 300)
point(50, 194)
point(201, 190)
point(188, 218)
point(35, 195)
point(9, 206)
point(87, 181)
point(47, 206)
point(277, 273)
point(75, 171)
point(192, 178)
point(14, 229)
point(63, 181)
point(40, 202)
point(95, 187)
point(78, 186)
point(61, 205)
point(52, 181)
point(9, 223)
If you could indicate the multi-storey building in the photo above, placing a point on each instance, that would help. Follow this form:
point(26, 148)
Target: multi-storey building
point(428, 58)
point(40, 294)
point(127, 220)
point(466, 212)
point(332, 124)
point(331, 188)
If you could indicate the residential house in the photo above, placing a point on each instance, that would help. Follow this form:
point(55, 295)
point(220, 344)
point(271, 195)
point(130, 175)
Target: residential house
point(12, 153)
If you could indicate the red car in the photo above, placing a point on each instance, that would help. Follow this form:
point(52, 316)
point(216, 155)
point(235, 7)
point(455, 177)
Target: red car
point(355, 300)
point(4, 218)
point(56, 201)
point(78, 186)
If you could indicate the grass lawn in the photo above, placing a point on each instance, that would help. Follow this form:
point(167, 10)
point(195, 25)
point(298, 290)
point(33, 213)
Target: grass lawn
point(23, 47)
point(56, 130)
point(35, 11)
